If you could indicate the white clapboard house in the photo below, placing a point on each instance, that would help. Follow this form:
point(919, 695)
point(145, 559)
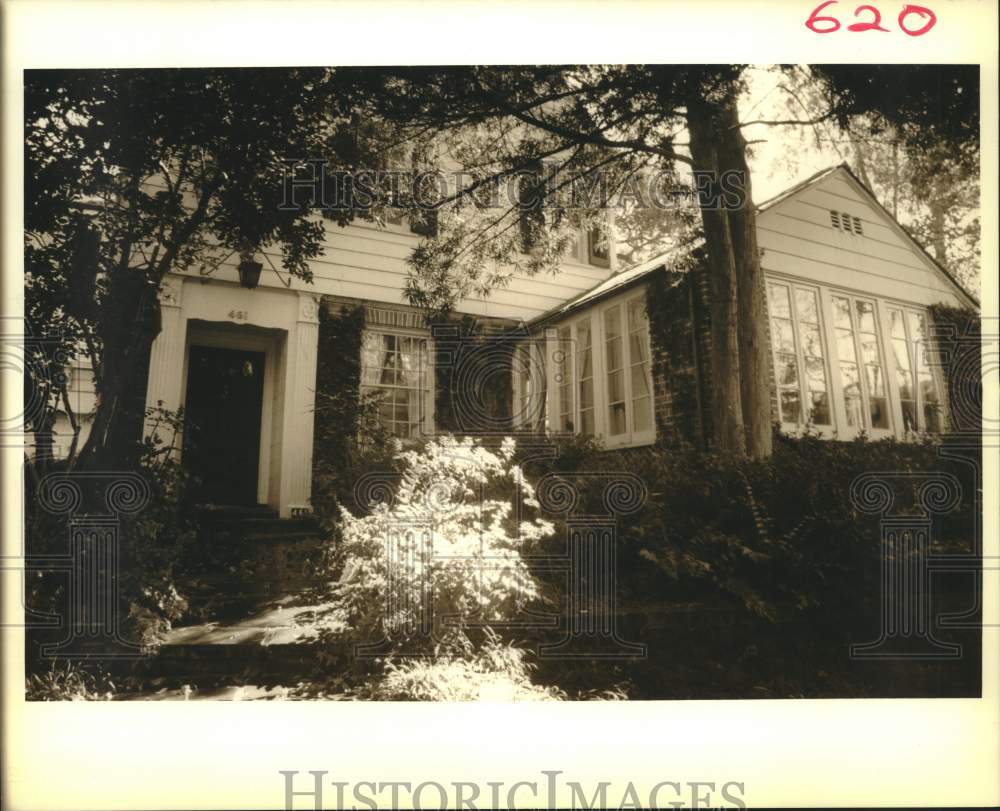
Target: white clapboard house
point(848, 292)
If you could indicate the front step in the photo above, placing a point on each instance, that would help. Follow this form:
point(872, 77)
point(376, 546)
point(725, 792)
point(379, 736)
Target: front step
point(249, 555)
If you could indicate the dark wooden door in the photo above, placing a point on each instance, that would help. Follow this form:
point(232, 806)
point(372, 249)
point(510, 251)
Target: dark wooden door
point(225, 394)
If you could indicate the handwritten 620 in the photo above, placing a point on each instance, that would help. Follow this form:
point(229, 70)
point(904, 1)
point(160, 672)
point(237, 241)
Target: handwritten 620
point(871, 20)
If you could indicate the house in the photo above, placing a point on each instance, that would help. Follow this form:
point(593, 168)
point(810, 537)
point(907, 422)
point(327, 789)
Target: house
point(848, 292)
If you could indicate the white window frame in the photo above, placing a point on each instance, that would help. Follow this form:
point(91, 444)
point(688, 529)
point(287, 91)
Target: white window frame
point(594, 318)
point(426, 420)
point(882, 308)
point(529, 389)
point(880, 346)
point(805, 401)
point(928, 352)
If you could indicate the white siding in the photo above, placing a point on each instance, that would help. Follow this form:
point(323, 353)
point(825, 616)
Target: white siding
point(798, 240)
point(366, 262)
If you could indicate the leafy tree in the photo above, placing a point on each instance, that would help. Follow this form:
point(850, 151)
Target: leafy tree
point(131, 174)
point(609, 126)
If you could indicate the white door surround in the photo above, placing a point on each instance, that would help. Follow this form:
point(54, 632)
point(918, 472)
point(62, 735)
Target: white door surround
point(281, 323)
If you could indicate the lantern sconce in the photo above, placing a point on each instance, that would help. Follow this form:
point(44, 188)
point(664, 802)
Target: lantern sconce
point(249, 271)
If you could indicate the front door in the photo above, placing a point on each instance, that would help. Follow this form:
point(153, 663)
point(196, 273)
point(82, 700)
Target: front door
point(225, 393)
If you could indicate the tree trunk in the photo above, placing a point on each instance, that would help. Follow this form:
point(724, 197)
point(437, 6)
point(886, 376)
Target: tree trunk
point(726, 406)
point(116, 431)
point(751, 313)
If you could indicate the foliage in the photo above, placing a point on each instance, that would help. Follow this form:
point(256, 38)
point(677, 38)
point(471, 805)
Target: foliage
point(958, 339)
point(472, 376)
point(152, 544)
point(349, 440)
point(495, 672)
point(459, 519)
point(677, 317)
point(717, 527)
point(69, 682)
point(132, 174)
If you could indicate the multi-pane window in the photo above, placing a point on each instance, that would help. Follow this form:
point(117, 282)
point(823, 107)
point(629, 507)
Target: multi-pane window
point(563, 363)
point(614, 371)
point(628, 386)
point(862, 378)
point(529, 386)
point(639, 376)
point(585, 375)
point(396, 369)
point(799, 360)
point(919, 402)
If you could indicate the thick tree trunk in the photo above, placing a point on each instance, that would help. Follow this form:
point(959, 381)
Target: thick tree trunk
point(751, 312)
point(726, 406)
point(116, 431)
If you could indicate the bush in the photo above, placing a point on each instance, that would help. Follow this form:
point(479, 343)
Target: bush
point(152, 543)
point(495, 672)
point(69, 682)
point(458, 526)
point(777, 537)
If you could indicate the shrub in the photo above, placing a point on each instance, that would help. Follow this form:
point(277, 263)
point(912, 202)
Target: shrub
point(778, 537)
point(152, 543)
point(454, 533)
point(68, 682)
point(496, 672)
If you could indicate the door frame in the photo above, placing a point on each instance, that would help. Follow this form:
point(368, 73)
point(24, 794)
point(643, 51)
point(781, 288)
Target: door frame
point(221, 335)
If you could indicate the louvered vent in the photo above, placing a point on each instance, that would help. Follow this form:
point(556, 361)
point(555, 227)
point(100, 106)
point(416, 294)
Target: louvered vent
point(843, 221)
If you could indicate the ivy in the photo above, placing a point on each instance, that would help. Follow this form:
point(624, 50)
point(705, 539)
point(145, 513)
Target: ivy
point(677, 319)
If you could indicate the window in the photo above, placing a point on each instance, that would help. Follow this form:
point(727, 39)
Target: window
point(843, 221)
point(799, 360)
point(641, 390)
point(563, 368)
point(919, 401)
point(628, 386)
point(598, 248)
point(864, 386)
point(396, 369)
point(585, 375)
point(529, 386)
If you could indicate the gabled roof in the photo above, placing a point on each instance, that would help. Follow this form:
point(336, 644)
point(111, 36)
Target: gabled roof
point(626, 278)
point(902, 231)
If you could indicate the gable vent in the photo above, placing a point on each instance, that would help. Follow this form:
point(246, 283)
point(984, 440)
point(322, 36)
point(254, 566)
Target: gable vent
point(843, 221)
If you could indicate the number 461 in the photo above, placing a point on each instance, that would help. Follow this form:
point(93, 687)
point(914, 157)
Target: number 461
point(831, 24)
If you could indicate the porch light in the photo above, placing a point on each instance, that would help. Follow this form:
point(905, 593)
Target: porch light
point(249, 272)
